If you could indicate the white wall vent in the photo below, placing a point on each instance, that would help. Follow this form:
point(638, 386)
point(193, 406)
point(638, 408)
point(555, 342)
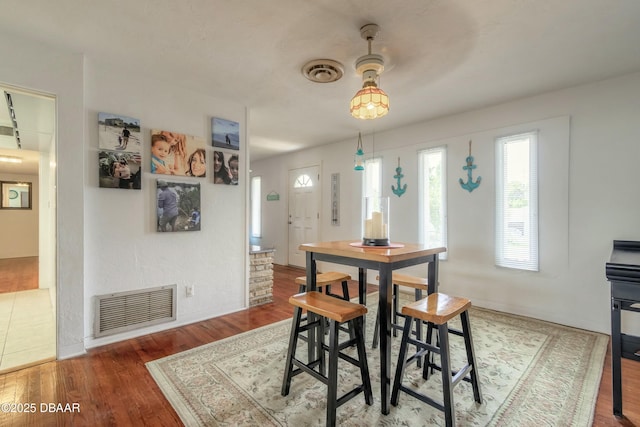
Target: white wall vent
point(126, 311)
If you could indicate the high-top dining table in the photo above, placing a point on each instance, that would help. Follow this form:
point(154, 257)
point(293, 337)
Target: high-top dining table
point(384, 259)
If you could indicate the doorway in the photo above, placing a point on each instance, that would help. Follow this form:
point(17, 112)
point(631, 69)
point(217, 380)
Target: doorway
point(28, 248)
point(304, 212)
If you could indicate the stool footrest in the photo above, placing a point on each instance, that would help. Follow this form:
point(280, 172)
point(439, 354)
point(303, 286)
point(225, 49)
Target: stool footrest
point(467, 368)
point(349, 395)
point(422, 397)
point(423, 345)
point(308, 368)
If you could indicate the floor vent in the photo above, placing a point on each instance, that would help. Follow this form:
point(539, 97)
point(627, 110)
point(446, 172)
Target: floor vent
point(126, 311)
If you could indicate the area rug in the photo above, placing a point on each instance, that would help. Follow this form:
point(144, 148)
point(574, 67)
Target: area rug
point(532, 373)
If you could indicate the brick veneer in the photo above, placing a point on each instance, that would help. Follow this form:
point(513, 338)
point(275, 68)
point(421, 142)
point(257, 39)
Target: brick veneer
point(260, 277)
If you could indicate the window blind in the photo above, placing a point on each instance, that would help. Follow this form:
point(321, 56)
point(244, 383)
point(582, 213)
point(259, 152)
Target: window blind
point(517, 201)
point(433, 197)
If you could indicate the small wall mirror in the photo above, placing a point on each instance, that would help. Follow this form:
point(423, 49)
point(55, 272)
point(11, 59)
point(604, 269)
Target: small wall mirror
point(15, 195)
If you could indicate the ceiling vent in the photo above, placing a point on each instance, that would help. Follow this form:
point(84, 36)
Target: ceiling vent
point(323, 70)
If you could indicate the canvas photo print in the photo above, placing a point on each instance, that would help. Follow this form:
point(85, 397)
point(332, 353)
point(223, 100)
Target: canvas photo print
point(225, 133)
point(119, 169)
point(178, 207)
point(117, 132)
point(178, 154)
point(225, 168)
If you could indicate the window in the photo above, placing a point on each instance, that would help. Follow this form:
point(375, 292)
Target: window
point(303, 181)
point(517, 202)
point(372, 178)
point(256, 184)
point(433, 197)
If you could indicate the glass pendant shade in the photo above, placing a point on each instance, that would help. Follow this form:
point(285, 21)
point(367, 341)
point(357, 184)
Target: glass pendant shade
point(359, 160)
point(359, 156)
point(370, 102)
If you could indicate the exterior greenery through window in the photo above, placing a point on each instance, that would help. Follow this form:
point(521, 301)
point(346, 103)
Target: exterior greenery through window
point(517, 202)
point(433, 201)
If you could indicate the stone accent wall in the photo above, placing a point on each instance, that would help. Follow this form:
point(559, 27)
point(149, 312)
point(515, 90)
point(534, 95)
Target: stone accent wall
point(260, 278)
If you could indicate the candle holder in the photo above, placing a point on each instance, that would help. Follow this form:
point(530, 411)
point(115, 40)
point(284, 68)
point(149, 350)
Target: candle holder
point(375, 221)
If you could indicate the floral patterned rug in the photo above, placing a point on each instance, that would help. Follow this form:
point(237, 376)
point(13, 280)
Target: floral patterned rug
point(532, 373)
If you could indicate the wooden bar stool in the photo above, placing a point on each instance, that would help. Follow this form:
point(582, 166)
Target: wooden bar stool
point(438, 309)
point(337, 311)
point(419, 285)
point(326, 280)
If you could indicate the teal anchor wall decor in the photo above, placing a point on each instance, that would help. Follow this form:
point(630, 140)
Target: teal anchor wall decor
point(400, 190)
point(470, 185)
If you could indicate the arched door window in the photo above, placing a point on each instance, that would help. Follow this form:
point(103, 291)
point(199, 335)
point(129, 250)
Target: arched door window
point(303, 180)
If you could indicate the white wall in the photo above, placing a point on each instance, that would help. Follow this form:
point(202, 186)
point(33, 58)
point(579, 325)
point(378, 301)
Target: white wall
point(106, 241)
point(123, 250)
point(47, 222)
point(587, 155)
point(19, 228)
point(40, 67)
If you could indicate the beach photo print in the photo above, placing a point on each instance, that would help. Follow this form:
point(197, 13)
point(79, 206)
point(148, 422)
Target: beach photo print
point(225, 133)
point(119, 133)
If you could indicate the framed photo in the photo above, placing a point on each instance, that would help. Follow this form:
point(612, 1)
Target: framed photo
point(178, 154)
point(116, 132)
point(178, 206)
point(15, 195)
point(225, 133)
point(226, 168)
point(119, 169)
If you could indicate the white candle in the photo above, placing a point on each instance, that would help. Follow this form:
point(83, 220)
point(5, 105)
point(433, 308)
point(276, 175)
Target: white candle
point(376, 218)
point(368, 228)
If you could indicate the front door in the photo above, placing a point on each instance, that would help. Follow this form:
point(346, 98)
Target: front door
point(304, 211)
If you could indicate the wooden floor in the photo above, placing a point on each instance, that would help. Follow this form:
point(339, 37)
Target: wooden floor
point(113, 388)
point(18, 274)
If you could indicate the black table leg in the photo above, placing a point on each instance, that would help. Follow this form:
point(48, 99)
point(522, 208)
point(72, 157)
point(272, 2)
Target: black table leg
point(384, 311)
point(311, 317)
point(432, 275)
point(362, 286)
point(362, 293)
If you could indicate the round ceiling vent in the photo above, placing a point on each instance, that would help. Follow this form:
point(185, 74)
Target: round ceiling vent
point(323, 70)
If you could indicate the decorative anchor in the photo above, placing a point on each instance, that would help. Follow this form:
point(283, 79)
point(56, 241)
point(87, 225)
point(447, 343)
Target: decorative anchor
point(470, 185)
point(399, 191)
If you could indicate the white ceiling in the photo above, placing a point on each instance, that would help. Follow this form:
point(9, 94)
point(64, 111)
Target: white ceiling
point(441, 56)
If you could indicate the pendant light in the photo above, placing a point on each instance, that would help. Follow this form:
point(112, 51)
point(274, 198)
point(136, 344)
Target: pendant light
point(359, 156)
point(370, 102)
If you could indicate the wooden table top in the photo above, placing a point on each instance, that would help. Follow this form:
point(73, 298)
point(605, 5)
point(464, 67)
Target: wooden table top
point(371, 253)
